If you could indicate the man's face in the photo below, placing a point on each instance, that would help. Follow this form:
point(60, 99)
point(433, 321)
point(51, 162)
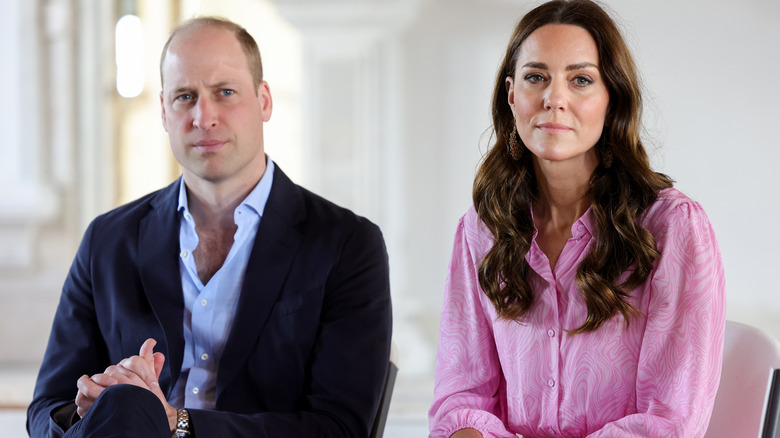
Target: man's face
point(211, 110)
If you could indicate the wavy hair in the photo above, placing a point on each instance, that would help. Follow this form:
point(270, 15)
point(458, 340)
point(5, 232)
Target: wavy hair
point(504, 189)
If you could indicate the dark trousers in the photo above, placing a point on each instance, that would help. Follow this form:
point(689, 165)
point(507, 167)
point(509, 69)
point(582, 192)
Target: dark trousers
point(123, 411)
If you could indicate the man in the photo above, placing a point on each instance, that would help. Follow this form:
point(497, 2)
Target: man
point(268, 306)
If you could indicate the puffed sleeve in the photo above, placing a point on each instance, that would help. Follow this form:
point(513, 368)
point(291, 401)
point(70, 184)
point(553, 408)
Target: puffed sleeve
point(682, 348)
point(468, 372)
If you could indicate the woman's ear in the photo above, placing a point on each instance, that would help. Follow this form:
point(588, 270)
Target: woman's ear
point(510, 91)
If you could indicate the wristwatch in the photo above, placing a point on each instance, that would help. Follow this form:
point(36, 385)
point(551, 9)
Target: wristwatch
point(182, 424)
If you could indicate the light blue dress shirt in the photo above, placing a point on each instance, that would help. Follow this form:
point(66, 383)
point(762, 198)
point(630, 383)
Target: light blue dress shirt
point(209, 309)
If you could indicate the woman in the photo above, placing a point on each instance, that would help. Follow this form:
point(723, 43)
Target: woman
point(585, 295)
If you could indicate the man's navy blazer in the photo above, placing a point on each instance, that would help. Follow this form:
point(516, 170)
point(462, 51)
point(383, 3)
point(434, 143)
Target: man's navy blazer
point(309, 348)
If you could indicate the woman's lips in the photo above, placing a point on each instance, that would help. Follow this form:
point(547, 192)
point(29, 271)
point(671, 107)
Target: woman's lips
point(554, 128)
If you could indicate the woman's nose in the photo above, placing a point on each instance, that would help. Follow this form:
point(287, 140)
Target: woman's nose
point(555, 96)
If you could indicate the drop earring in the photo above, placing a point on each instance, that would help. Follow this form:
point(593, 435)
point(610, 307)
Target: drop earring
point(513, 145)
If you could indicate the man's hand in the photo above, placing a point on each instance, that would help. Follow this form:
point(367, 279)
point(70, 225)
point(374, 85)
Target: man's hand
point(142, 370)
point(90, 389)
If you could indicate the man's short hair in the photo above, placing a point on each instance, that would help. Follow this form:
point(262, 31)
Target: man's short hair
point(248, 44)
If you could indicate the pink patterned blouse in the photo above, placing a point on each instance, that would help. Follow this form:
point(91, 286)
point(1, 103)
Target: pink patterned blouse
point(655, 378)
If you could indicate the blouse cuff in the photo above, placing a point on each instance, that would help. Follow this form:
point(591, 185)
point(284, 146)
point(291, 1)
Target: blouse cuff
point(486, 423)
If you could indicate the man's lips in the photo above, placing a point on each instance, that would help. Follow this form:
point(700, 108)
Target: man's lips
point(553, 128)
point(209, 145)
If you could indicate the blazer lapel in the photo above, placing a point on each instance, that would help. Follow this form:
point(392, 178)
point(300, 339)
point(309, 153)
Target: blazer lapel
point(158, 265)
point(272, 255)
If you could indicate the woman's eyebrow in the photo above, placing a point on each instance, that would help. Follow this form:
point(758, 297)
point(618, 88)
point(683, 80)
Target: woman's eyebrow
point(578, 66)
point(581, 66)
point(539, 65)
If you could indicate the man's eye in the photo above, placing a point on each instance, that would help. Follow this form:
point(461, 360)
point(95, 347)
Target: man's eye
point(227, 92)
point(184, 97)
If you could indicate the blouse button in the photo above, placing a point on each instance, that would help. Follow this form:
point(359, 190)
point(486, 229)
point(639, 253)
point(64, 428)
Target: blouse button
point(551, 333)
point(551, 383)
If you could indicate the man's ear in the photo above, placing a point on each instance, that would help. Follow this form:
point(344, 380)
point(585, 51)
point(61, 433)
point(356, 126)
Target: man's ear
point(162, 112)
point(266, 102)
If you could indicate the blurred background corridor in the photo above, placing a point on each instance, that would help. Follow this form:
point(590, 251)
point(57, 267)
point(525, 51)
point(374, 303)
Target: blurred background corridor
point(381, 106)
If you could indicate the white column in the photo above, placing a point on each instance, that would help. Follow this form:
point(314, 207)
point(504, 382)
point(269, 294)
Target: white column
point(55, 170)
point(96, 140)
point(26, 173)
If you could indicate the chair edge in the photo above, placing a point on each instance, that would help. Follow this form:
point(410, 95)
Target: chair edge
point(771, 426)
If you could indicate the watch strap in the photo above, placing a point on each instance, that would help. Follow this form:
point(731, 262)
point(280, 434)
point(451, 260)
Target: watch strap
point(182, 424)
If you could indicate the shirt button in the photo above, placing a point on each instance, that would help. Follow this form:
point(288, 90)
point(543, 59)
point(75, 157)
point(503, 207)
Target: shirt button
point(551, 383)
point(195, 391)
point(551, 333)
point(188, 216)
point(204, 356)
point(203, 303)
point(184, 254)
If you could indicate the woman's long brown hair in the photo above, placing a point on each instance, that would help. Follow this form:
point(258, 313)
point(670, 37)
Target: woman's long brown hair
point(504, 189)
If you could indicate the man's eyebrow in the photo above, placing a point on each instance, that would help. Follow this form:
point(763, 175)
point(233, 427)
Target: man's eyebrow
point(222, 84)
point(217, 85)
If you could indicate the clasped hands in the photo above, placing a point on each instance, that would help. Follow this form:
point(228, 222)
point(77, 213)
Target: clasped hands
point(142, 370)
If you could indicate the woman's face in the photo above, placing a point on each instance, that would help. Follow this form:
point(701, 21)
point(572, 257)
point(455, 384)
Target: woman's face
point(557, 95)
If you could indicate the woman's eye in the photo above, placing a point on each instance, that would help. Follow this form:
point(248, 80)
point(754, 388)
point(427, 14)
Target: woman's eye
point(534, 78)
point(582, 81)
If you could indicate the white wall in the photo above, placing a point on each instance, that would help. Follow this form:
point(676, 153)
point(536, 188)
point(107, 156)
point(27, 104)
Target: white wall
point(711, 110)
point(710, 68)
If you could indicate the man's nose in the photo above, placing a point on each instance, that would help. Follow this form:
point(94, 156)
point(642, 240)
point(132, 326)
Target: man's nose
point(205, 114)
